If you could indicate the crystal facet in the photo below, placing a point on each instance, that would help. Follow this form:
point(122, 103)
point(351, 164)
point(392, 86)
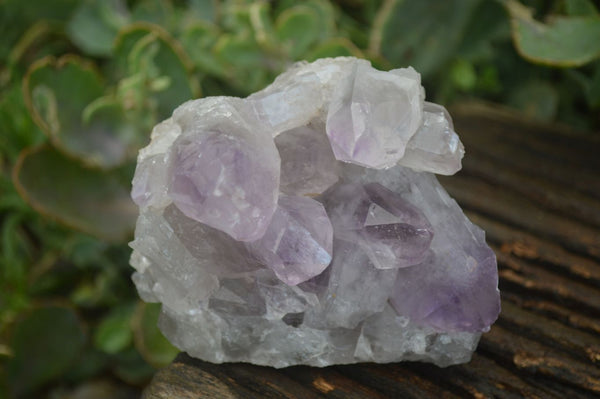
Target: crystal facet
point(391, 231)
point(308, 166)
point(225, 174)
point(435, 147)
point(373, 114)
point(304, 224)
point(298, 242)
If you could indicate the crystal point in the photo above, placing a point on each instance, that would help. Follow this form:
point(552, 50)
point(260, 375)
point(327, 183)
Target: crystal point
point(373, 114)
point(436, 146)
point(298, 243)
point(390, 230)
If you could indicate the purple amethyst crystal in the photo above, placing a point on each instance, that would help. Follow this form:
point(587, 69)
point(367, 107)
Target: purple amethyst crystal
point(226, 177)
point(451, 301)
point(390, 230)
point(304, 225)
point(298, 243)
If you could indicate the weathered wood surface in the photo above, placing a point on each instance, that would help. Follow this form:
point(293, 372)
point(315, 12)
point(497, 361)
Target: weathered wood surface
point(536, 191)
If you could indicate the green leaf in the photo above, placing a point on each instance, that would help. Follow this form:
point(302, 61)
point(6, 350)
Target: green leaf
point(580, 7)
point(85, 199)
point(132, 368)
point(260, 18)
point(90, 364)
point(536, 99)
point(488, 26)
point(240, 52)
point(463, 75)
point(45, 344)
point(41, 39)
point(326, 16)
point(297, 28)
point(593, 90)
point(336, 47)
point(57, 92)
point(234, 17)
point(146, 52)
point(114, 332)
point(153, 11)
point(198, 41)
point(148, 339)
point(203, 9)
point(51, 81)
point(107, 118)
point(324, 10)
point(16, 17)
point(15, 118)
point(424, 34)
point(245, 66)
point(563, 42)
point(95, 25)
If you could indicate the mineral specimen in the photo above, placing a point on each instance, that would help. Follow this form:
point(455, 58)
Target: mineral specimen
point(304, 224)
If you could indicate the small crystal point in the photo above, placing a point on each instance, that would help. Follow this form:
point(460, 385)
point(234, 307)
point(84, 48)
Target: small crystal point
point(150, 181)
point(455, 287)
point(298, 243)
point(393, 232)
point(436, 146)
point(373, 115)
point(464, 301)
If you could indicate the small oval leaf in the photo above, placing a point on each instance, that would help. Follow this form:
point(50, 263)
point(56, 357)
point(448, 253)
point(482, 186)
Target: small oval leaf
point(198, 41)
point(114, 332)
point(95, 24)
point(238, 51)
point(580, 7)
point(425, 34)
point(89, 200)
point(57, 93)
point(298, 28)
point(148, 339)
point(40, 353)
point(148, 51)
point(563, 42)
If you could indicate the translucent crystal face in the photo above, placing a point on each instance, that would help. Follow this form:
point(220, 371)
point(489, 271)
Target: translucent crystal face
point(303, 225)
point(217, 180)
point(391, 231)
point(298, 243)
point(435, 146)
point(468, 304)
point(373, 115)
point(308, 166)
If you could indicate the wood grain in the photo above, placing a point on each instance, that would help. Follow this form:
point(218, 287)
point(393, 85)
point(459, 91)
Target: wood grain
point(535, 189)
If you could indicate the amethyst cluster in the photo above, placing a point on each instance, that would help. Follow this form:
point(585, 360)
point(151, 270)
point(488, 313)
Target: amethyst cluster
point(304, 224)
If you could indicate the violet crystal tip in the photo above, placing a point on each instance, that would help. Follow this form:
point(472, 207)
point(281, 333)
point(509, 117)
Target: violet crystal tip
point(305, 225)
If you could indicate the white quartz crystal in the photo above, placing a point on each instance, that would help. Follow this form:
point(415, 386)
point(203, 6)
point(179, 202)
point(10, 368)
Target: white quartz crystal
point(373, 114)
point(435, 147)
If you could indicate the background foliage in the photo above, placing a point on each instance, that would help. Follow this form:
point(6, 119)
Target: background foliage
point(82, 82)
